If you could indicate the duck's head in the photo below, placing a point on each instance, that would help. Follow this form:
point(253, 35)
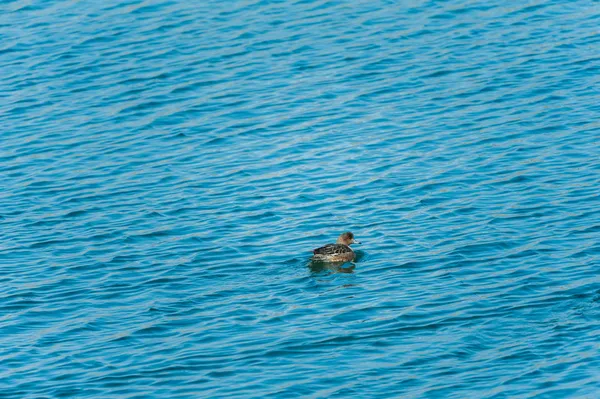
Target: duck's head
point(347, 239)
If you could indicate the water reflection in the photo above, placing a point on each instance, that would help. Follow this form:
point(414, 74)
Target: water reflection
point(319, 267)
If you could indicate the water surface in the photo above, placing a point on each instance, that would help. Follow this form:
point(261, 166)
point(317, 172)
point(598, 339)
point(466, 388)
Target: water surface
point(166, 167)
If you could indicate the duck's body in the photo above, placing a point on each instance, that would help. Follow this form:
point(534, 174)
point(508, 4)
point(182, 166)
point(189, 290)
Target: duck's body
point(338, 252)
point(334, 253)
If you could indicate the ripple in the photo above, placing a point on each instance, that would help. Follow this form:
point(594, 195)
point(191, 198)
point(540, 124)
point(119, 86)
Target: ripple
point(168, 167)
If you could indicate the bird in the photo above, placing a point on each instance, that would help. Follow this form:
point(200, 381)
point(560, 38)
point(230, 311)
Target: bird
point(338, 252)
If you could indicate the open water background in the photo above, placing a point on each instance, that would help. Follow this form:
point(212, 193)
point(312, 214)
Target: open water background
point(166, 167)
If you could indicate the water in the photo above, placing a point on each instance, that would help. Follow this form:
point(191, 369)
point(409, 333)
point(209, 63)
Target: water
point(167, 167)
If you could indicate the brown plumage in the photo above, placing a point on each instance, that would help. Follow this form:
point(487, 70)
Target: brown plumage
point(338, 252)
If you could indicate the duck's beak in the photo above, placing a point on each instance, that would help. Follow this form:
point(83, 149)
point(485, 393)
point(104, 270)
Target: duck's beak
point(355, 242)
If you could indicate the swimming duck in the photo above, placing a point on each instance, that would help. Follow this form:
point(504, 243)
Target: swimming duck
point(338, 252)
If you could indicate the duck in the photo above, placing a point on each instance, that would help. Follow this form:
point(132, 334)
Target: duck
point(338, 252)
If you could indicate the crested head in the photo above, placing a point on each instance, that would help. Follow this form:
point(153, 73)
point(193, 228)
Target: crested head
point(347, 239)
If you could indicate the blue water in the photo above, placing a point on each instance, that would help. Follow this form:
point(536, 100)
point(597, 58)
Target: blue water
point(166, 168)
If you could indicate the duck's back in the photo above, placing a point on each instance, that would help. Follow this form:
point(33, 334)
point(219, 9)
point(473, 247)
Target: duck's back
point(334, 251)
